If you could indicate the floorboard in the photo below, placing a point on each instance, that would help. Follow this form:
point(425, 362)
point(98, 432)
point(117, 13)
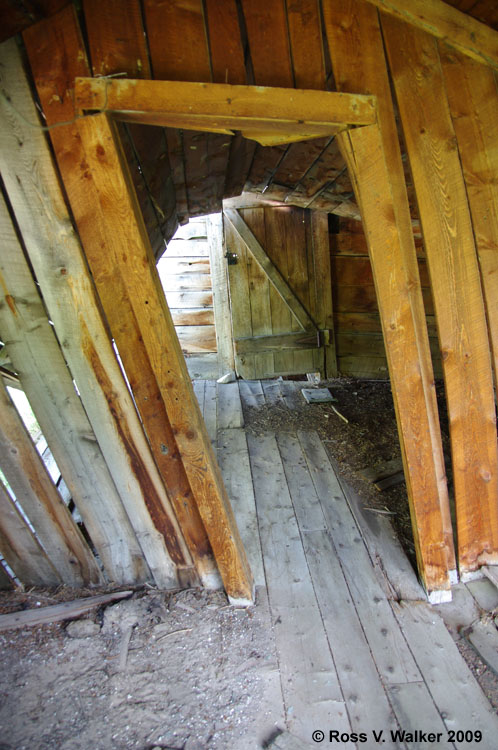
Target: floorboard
point(350, 655)
point(310, 684)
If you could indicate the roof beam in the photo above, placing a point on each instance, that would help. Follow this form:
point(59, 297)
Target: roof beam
point(464, 33)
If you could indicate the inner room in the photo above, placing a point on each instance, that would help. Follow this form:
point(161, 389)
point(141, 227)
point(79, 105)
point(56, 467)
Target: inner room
point(248, 337)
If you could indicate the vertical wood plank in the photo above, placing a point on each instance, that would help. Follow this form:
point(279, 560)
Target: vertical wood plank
point(351, 25)
point(276, 221)
point(67, 289)
point(67, 146)
point(456, 287)
point(266, 23)
point(116, 38)
point(473, 101)
point(21, 549)
point(45, 378)
point(221, 301)
point(177, 40)
point(36, 494)
point(110, 186)
point(305, 35)
point(225, 42)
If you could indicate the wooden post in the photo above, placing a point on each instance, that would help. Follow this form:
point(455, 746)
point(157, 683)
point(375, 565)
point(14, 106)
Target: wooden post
point(44, 376)
point(221, 301)
point(105, 189)
point(351, 26)
point(39, 499)
point(62, 35)
point(69, 295)
point(20, 548)
point(473, 100)
point(456, 288)
point(363, 150)
point(322, 280)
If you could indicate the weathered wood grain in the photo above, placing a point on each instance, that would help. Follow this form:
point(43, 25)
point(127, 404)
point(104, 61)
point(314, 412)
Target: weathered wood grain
point(463, 32)
point(58, 612)
point(194, 338)
point(21, 550)
point(305, 36)
point(389, 648)
point(456, 287)
point(218, 106)
point(57, 260)
point(268, 37)
point(47, 382)
point(225, 42)
point(270, 270)
point(36, 494)
point(116, 38)
point(309, 678)
point(473, 101)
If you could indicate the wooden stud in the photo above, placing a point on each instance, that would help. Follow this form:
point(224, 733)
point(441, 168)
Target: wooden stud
point(46, 380)
point(67, 288)
point(36, 494)
point(472, 97)
point(159, 432)
point(461, 31)
point(368, 72)
point(20, 548)
point(109, 186)
point(322, 280)
point(456, 287)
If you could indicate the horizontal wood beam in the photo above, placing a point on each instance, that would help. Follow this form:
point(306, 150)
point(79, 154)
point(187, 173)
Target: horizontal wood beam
point(464, 33)
point(279, 342)
point(271, 271)
point(259, 112)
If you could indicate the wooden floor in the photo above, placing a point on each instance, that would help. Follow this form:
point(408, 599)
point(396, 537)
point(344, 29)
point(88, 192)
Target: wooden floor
point(359, 650)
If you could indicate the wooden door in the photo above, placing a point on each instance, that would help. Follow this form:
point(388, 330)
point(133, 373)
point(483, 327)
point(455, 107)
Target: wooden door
point(280, 291)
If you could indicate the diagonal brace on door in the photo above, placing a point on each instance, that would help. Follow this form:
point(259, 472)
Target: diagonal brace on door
point(270, 270)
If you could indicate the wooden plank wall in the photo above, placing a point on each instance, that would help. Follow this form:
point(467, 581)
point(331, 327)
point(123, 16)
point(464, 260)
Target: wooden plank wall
point(278, 43)
point(357, 327)
point(185, 273)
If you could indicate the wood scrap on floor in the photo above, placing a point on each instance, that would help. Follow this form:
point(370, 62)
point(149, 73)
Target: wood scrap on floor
point(317, 395)
point(58, 612)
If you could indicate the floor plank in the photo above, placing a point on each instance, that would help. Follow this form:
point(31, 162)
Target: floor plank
point(233, 458)
point(389, 648)
point(454, 689)
point(210, 410)
point(415, 710)
point(309, 680)
point(229, 406)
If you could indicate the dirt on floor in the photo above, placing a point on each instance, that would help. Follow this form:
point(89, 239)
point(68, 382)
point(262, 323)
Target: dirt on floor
point(368, 439)
point(195, 674)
